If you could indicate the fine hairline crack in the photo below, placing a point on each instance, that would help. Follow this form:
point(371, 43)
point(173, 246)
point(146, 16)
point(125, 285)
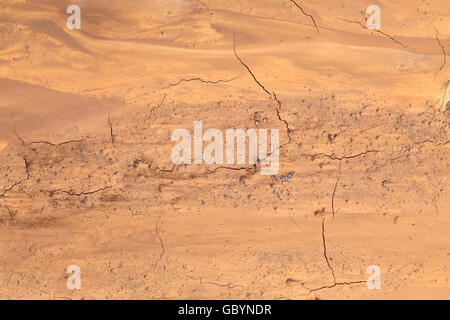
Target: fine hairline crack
point(324, 244)
point(247, 67)
point(379, 31)
point(113, 137)
point(306, 14)
point(228, 285)
point(11, 213)
point(163, 248)
point(59, 144)
point(159, 104)
point(344, 157)
point(201, 80)
point(75, 194)
point(48, 142)
point(443, 52)
point(445, 93)
point(249, 168)
point(273, 94)
point(333, 195)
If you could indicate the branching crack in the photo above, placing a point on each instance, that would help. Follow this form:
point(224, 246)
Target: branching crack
point(306, 14)
point(379, 31)
point(335, 283)
point(325, 254)
point(15, 184)
point(11, 187)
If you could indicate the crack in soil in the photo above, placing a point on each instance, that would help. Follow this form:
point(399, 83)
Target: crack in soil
point(248, 69)
point(324, 244)
point(306, 14)
point(273, 94)
point(335, 283)
point(59, 144)
point(11, 187)
point(333, 195)
point(159, 104)
point(415, 144)
point(163, 249)
point(150, 166)
point(7, 280)
point(283, 120)
point(443, 52)
point(437, 144)
point(203, 4)
point(445, 93)
point(11, 213)
point(15, 184)
point(325, 254)
point(17, 135)
point(73, 193)
point(48, 142)
point(201, 80)
point(253, 167)
point(113, 137)
point(379, 31)
point(334, 157)
point(166, 170)
point(229, 285)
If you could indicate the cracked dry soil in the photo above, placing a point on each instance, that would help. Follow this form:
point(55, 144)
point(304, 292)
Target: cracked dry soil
point(86, 176)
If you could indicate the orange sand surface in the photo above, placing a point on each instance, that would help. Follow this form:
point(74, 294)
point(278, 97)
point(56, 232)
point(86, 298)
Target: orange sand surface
point(86, 176)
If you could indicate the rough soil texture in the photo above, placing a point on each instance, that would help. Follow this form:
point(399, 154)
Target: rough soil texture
point(86, 176)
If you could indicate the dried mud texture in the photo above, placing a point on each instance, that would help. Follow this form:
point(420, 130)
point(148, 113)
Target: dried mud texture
point(86, 176)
